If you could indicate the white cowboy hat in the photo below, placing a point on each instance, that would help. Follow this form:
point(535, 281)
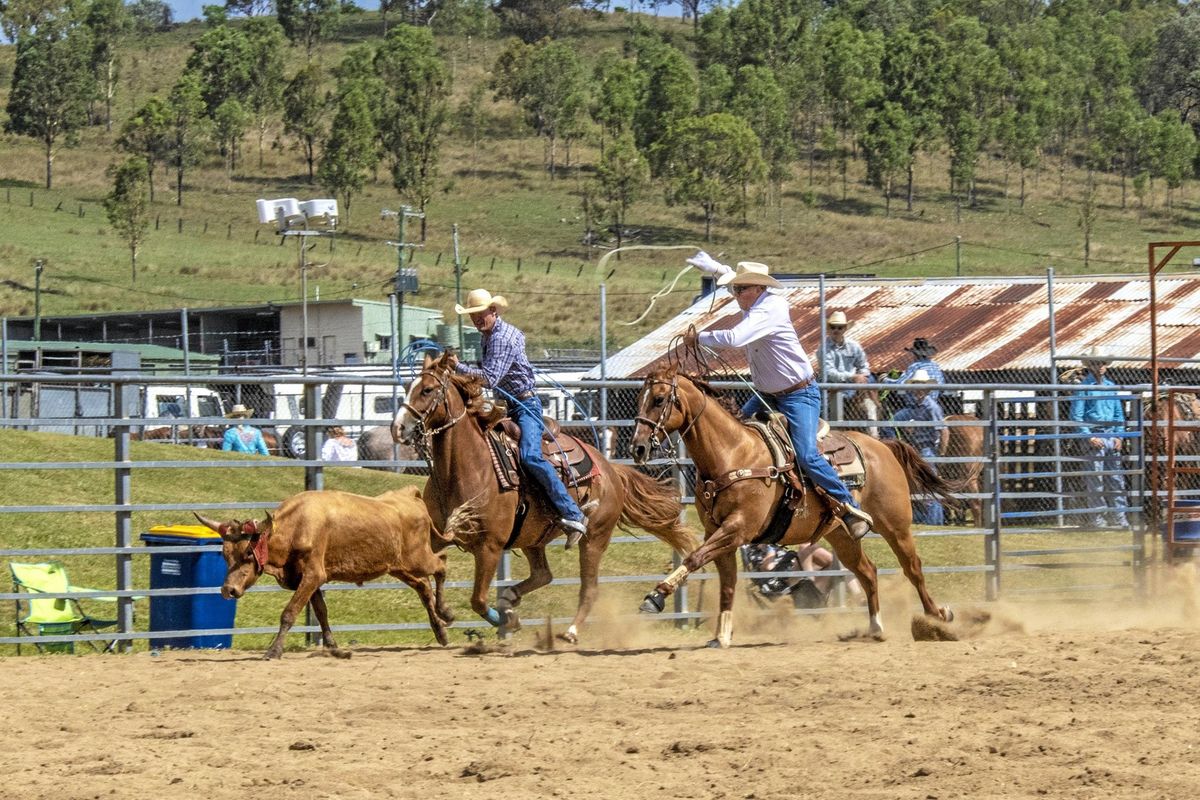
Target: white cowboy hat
point(239, 411)
point(749, 273)
point(922, 376)
point(481, 300)
point(1096, 355)
point(837, 318)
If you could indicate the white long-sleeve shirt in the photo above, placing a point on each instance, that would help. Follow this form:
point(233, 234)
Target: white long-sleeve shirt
point(777, 359)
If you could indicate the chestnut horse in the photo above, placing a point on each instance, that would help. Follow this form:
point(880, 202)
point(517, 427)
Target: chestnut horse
point(444, 407)
point(966, 441)
point(720, 445)
point(1184, 444)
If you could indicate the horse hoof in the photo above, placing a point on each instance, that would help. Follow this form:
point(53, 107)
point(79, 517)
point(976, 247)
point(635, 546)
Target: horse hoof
point(947, 613)
point(512, 623)
point(654, 603)
point(569, 638)
point(714, 644)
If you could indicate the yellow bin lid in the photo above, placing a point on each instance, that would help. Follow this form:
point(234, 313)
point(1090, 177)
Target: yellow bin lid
point(188, 531)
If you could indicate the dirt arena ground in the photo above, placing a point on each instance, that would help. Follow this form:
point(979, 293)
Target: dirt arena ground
point(1078, 701)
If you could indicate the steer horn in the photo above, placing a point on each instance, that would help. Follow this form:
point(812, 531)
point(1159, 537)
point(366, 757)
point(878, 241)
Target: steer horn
point(208, 523)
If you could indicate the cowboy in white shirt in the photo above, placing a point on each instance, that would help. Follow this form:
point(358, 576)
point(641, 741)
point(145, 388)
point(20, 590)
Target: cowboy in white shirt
point(783, 375)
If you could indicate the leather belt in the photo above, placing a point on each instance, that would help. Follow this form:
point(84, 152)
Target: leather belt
point(795, 387)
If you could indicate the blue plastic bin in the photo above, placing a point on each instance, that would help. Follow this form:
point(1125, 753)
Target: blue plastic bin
point(1187, 526)
point(188, 570)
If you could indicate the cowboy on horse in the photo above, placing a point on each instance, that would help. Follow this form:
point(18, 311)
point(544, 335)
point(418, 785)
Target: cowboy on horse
point(784, 379)
point(505, 369)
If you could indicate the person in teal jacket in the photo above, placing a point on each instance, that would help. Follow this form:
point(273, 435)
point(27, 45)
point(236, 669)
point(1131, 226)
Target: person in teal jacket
point(243, 438)
point(1100, 415)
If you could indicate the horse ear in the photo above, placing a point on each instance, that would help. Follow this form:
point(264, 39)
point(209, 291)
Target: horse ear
point(428, 362)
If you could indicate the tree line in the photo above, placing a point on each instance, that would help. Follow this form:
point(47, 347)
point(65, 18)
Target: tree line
point(717, 117)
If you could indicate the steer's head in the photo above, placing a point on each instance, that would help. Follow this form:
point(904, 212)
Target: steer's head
point(244, 546)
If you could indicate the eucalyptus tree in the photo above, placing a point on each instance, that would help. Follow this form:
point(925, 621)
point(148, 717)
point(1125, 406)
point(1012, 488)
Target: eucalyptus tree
point(109, 22)
point(148, 135)
point(758, 98)
point(1028, 109)
point(413, 111)
point(264, 86)
point(349, 153)
point(851, 82)
point(615, 83)
point(128, 207)
point(304, 112)
point(221, 61)
point(230, 122)
point(888, 146)
point(973, 76)
point(668, 95)
point(707, 161)
point(308, 22)
point(51, 86)
point(1172, 151)
point(189, 126)
point(622, 176)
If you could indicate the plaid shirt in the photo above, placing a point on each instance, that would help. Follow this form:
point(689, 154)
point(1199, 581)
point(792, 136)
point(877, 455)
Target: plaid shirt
point(504, 365)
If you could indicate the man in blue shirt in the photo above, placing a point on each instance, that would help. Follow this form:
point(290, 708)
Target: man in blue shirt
point(922, 351)
point(1099, 412)
point(243, 438)
point(929, 439)
point(506, 370)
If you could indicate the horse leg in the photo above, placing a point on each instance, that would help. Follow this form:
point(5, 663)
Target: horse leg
point(487, 557)
point(318, 606)
point(439, 584)
point(902, 544)
point(420, 585)
point(539, 576)
point(870, 404)
point(727, 573)
point(590, 551)
point(850, 552)
point(723, 539)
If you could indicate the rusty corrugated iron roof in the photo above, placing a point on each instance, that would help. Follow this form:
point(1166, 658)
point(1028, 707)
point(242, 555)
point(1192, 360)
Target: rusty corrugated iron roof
point(987, 324)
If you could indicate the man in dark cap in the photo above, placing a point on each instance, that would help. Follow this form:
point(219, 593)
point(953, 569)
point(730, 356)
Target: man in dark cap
point(922, 351)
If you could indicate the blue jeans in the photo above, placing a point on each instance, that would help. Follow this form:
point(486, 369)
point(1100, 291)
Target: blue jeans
point(1105, 493)
point(928, 512)
point(802, 409)
point(528, 416)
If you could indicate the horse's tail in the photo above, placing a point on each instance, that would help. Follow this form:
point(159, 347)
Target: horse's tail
point(922, 478)
point(653, 505)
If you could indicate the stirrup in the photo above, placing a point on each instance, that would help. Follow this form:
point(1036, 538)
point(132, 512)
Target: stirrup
point(858, 522)
point(575, 529)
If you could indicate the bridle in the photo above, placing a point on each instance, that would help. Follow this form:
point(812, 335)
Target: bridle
point(660, 438)
point(442, 399)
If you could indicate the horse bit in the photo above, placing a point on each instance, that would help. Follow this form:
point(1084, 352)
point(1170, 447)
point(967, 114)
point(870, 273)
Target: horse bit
point(659, 438)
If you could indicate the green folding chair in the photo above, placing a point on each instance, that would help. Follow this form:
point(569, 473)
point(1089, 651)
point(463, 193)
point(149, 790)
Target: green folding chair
point(53, 616)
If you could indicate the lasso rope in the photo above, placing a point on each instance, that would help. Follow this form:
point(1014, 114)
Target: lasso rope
point(661, 292)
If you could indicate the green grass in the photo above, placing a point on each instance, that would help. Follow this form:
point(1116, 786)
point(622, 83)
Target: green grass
point(508, 209)
point(232, 485)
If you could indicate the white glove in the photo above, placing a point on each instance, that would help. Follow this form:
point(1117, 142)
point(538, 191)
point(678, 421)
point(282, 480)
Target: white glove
point(706, 263)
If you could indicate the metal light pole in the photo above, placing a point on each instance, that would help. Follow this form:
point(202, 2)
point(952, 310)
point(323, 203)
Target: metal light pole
point(458, 284)
point(404, 279)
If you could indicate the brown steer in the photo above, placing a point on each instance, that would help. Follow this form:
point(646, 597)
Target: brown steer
point(315, 537)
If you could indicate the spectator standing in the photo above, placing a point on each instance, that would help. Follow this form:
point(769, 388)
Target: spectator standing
point(930, 439)
point(1101, 418)
point(922, 352)
point(243, 437)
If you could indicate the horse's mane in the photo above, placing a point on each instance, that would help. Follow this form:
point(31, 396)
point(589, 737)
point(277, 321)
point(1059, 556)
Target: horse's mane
point(470, 387)
point(723, 399)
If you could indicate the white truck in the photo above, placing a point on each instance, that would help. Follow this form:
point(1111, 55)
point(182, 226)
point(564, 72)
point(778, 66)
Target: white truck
point(359, 406)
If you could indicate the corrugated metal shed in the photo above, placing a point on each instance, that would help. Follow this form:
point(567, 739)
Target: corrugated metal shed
point(978, 325)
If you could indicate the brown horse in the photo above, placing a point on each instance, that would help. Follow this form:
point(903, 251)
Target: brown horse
point(445, 408)
point(1181, 447)
point(966, 441)
point(738, 514)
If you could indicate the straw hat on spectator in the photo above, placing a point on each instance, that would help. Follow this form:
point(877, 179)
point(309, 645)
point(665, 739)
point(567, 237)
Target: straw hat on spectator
point(922, 376)
point(481, 300)
point(837, 319)
point(239, 411)
point(749, 273)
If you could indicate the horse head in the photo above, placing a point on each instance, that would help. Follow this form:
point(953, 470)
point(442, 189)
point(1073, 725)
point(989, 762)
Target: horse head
point(659, 413)
point(436, 399)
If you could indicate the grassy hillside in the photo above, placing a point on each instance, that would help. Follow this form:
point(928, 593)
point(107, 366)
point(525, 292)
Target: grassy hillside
point(210, 251)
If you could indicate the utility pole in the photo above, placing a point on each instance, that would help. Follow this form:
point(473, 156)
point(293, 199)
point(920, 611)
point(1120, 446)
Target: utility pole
point(38, 265)
point(405, 279)
point(458, 273)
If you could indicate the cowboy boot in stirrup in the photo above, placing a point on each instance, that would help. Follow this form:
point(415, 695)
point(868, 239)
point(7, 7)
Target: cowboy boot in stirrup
point(857, 522)
point(576, 529)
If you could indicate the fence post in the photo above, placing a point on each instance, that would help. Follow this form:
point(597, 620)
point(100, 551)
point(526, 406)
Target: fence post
point(122, 496)
point(1139, 560)
point(314, 476)
point(992, 485)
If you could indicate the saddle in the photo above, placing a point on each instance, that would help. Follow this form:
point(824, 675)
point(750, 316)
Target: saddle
point(571, 457)
point(833, 445)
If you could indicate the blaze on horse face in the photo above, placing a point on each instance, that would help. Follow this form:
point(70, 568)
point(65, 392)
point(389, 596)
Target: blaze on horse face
point(238, 542)
point(425, 404)
point(659, 412)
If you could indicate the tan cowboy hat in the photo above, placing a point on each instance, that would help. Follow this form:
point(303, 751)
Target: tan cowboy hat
point(239, 411)
point(481, 300)
point(1096, 355)
point(749, 273)
point(922, 376)
point(837, 318)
